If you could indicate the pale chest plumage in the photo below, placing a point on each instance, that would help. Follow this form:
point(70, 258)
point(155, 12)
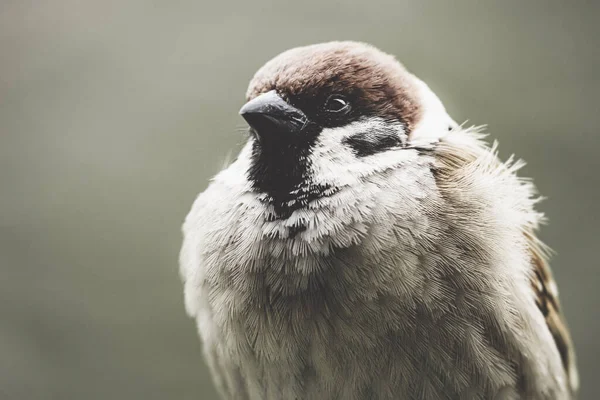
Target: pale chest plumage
point(411, 284)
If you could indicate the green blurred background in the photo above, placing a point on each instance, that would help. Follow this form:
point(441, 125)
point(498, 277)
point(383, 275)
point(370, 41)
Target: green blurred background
point(114, 114)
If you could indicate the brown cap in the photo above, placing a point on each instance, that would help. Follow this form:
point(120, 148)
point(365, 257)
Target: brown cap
point(375, 81)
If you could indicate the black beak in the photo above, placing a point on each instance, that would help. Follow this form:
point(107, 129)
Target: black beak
point(270, 116)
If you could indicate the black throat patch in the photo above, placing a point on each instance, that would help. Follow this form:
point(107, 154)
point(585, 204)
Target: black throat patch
point(279, 169)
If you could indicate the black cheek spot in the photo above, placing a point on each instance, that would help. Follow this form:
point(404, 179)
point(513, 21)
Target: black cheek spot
point(363, 146)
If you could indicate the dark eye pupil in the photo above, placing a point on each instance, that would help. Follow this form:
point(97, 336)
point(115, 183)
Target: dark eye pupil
point(337, 104)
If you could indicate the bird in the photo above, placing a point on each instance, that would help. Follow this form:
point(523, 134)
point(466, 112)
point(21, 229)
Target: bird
point(363, 245)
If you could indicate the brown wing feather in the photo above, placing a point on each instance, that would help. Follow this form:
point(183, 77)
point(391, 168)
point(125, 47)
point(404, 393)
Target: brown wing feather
point(546, 298)
point(450, 159)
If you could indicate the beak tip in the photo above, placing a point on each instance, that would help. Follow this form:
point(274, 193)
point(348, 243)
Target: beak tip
point(243, 111)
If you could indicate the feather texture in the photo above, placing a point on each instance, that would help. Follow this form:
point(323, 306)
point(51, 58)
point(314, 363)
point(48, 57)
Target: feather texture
point(546, 293)
point(543, 286)
point(400, 262)
point(408, 284)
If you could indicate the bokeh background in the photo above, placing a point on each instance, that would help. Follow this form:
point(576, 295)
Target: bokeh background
point(114, 114)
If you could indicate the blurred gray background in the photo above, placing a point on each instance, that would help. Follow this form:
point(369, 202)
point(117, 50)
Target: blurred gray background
point(114, 114)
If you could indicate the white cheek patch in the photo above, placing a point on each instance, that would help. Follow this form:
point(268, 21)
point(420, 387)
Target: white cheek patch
point(435, 122)
point(334, 162)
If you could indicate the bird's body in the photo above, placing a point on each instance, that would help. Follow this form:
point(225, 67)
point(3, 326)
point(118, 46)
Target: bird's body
point(399, 263)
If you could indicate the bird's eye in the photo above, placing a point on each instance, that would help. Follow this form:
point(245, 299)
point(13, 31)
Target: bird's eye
point(337, 104)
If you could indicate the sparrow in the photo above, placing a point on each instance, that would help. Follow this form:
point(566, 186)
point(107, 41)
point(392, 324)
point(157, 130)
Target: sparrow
point(363, 245)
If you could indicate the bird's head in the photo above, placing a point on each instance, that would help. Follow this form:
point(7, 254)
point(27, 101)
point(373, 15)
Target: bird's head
point(325, 116)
